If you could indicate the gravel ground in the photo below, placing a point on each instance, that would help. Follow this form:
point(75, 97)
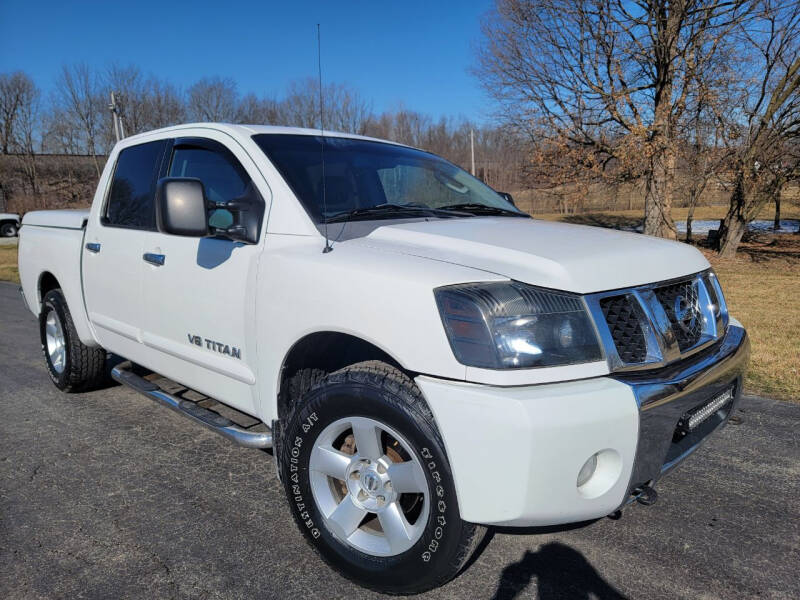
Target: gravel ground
point(106, 495)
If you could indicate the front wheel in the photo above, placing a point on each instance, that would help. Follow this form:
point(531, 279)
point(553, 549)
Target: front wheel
point(369, 483)
point(8, 230)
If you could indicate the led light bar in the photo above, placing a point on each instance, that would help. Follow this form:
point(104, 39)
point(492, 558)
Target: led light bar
point(710, 408)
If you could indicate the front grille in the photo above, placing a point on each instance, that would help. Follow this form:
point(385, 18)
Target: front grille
point(681, 302)
point(626, 328)
point(653, 325)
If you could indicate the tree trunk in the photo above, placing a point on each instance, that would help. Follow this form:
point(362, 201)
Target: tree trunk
point(734, 215)
point(658, 196)
point(96, 164)
point(690, 215)
point(734, 231)
point(30, 164)
point(776, 224)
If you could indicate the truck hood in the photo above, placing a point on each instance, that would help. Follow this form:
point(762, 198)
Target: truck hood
point(573, 258)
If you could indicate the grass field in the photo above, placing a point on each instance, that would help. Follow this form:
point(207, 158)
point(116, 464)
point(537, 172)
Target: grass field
point(8, 263)
point(634, 217)
point(762, 286)
point(765, 296)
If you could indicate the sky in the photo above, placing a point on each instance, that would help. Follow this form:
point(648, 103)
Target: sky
point(409, 53)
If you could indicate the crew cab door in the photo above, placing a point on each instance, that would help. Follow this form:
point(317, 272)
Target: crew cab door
point(112, 253)
point(200, 293)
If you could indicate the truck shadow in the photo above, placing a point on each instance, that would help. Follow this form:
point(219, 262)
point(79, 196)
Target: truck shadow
point(559, 571)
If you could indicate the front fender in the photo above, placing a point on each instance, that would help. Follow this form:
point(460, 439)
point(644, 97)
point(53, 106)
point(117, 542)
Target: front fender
point(382, 298)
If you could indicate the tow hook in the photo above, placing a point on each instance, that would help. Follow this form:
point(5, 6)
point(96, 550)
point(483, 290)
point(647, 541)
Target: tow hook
point(645, 495)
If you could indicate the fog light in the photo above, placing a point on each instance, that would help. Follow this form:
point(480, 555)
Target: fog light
point(587, 470)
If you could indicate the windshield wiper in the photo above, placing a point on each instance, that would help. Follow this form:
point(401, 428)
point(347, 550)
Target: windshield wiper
point(483, 209)
point(383, 211)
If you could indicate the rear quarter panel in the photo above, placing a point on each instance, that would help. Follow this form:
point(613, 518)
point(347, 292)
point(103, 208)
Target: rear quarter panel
point(57, 251)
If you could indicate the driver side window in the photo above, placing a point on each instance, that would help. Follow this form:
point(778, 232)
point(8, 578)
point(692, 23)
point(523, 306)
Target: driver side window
point(224, 179)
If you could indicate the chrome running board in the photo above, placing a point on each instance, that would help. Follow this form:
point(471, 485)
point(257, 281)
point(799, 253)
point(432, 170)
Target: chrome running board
point(123, 374)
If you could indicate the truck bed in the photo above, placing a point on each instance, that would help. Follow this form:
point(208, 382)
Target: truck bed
point(64, 219)
point(50, 251)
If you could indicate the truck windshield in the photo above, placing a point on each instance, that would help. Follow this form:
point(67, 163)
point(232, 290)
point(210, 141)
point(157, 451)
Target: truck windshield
point(375, 180)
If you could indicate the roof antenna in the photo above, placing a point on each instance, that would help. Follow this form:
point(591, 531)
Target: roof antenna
point(328, 246)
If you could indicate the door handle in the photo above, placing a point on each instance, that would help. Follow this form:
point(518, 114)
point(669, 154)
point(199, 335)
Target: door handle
point(153, 259)
point(93, 247)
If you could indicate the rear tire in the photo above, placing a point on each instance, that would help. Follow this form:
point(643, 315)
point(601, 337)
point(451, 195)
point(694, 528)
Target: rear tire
point(72, 365)
point(8, 230)
point(361, 540)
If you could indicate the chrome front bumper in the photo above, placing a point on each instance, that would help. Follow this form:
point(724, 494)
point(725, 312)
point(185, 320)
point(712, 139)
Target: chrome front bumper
point(666, 396)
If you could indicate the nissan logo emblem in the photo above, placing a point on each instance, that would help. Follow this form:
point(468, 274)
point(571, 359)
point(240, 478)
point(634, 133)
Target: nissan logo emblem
point(685, 313)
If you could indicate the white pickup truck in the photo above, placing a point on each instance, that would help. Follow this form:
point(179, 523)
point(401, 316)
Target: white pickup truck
point(9, 224)
point(424, 359)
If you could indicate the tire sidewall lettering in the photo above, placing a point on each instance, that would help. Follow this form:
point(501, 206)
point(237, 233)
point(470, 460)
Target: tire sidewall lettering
point(435, 548)
point(298, 498)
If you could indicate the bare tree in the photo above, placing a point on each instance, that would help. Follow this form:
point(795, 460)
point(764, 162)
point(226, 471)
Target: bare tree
point(769, 117)
point(410, 128)
point(348, 110)
point(146, 102)
point(611, 76)
point(703, 157)
point(345, 109)
point(164, 105)
point(260, 111)
point(76, 121)
point(300, 105)
point(213, 99)
point(131, 91)
point(25, 134)
point(80, 98)
point(15, 89)
point(59, 136)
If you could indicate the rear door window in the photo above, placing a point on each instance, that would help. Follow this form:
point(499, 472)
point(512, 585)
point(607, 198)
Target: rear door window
point(131, 199)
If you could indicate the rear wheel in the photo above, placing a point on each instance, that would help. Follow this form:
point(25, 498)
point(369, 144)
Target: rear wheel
point(369, 483)
point(72, 365)
point(8, 230)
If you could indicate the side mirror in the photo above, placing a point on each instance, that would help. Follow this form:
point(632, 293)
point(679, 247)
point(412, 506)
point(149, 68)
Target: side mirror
point(181, 207)
point(508, 197)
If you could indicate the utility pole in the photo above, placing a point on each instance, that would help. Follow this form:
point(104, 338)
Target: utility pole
point(472, 149)
point(119, 130)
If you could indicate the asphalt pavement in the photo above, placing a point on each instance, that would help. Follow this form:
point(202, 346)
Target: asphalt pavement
point(107, 495)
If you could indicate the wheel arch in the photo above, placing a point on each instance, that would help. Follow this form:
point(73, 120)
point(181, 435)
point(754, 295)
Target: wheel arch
point(47, 282)
point(326, 351)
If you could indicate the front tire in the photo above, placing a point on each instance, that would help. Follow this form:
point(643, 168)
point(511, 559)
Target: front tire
point(369, 483)
point(72, 365)
point(8, 230)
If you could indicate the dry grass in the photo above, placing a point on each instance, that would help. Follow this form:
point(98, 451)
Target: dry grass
point(762, 287)
point(634, 217)
point(8, 263)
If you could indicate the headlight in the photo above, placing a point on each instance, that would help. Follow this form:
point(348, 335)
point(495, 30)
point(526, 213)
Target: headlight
point(511, 325)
